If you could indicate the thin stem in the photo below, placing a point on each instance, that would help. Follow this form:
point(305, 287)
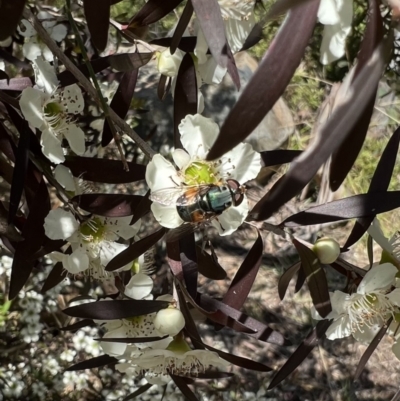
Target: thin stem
point(87, 86)
point(104, 105)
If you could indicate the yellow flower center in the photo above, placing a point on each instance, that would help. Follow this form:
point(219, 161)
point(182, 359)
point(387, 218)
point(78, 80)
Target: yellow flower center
point(135, 266)
point(93, 230)
point(178, 345)
point(54, 114)
point(201, 172)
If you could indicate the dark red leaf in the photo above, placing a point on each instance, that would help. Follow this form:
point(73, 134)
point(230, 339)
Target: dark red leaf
point(263, 331)
point(380, 182)
point(186, 391)
point(371, 348)
point(329, 137)
point(54, 278)
point(270, 79)
point(188, 258)
point(345, 156)
point(20, 171)
point(186, 44)
point(153, 11)
point(121, 103)
point(109, 205)
point(208, 265)
point(115, 309)
point(364, 205)
point(301, 352)
point(210, 20)
point(181, 26)
point(10, 15)
point(285, 279)
point(33, 233)
point(7, 145)
point(142, 208)
point(301, 278)
point(238, 360)
point(16, 84)
point(96, 362)
point(190, 326)
point(244, 279)
point(316, 278)
point(104, 170)
point(139, 391)
point(129, 61)
point(97, 13)
point(79, 325)
point(185, 96)
point(135, 250)
point(128, 340)
point(279, 156)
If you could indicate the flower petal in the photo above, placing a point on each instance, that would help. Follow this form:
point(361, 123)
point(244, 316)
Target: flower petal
point(328, 12)
point(45, 75)
point(378, 278)
point(231, 219)
point(51, 147)
point(237, 31)
point(198, 134)
point(26, 29)
point(394, 296)
point(31, 103)
point(121, 226)
point(64, 176)
point(339, 328)
point(366, 335)
point(60, 224)
point(167, 216)
point(336, 31)
point(108, 250)
point(73, 99)
point(47, 20)
point(31, 50)
point(211, 72)
point(77, 262)
point(112, 348)
point(139, 286)
point(246, 162)
point(59, 32)
point(76, 138)
point(161, 174)
point(181, 158)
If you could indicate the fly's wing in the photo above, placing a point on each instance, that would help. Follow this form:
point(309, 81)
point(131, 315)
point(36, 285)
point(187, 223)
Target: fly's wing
point(167, 196)
point(170, 196)
point(178, 233)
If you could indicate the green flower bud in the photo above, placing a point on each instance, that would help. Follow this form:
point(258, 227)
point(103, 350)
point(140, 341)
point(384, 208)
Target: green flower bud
point(327, 250)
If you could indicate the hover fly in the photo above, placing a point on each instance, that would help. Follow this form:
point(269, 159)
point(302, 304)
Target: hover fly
point(199, 204)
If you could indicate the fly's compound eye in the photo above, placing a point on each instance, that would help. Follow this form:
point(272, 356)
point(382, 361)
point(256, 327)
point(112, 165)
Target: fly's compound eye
point(238, 199)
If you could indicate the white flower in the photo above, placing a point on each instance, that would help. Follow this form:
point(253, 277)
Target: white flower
point(239, 20)
point(198, 134)
point(91, 240)
point(363, 313)
point(178, 359)
point(337, 16)
point(34, 47)
point(52, 111)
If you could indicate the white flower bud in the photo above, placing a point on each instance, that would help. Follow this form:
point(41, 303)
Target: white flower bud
point(169, 321)
point(168, 64)
point(327, 250)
